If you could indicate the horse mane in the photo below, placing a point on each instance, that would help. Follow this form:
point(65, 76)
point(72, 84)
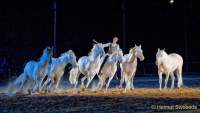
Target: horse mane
point(132, 51)
point(43, 53)
point(65, 53)
point(92, 50)
point(164, 52)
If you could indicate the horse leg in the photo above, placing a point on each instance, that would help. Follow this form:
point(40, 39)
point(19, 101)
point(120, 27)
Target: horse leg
point(100, 81)
point(76, 82)
point(128, 82)
point(57, 82)
point(46, 82)
point(35, 87)
point(108, 83)
point(166, 80)
point(40, 85)
point(36, 83)
point(103, 82)
point(160, 79)
point(89, 80)
point(22, 82)
point(32, 87)
point(82, 81)
point(38, 88)
point(49, 88)
point(173, 78)
point(132, 78)
point(122, 79)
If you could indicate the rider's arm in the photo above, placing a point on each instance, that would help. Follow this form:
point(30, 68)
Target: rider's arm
point(106, 45)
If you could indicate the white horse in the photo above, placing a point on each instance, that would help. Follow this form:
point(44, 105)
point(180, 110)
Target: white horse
point(168, 64)
point(57, 68)
point(89, 66)
point(109, 68)
point(129, 66)
point(35, 71)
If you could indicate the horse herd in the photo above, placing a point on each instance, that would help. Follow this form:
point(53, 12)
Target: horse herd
point(91, 65)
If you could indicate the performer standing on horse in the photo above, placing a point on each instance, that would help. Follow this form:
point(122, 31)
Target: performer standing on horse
point(113, 47)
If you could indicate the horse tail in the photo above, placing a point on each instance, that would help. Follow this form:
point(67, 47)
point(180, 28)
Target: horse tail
point(20, 79)
point(74, 74)
point(180, 79)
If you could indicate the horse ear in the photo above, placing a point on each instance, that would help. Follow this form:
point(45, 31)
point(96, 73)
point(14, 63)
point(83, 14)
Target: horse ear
point(158, 49)
point(70, 50)
point(164, 49)
point(140, 46)
point(135, 45)
point(95, 41)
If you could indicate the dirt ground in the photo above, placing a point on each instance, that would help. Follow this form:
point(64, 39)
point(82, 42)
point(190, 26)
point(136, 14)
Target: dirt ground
point(114, 100)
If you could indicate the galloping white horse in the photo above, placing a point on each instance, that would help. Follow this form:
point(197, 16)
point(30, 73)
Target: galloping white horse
point(167, 64)
point(35, 70)
point(89, 66)
point(129, 66)
point(109, 68)
point(57, 68)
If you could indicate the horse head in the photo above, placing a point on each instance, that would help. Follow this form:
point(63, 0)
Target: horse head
point(47, 54)
point(72, 58)
point(160, 55)
point(138, 52)
point(49, 50)
point(98, 49)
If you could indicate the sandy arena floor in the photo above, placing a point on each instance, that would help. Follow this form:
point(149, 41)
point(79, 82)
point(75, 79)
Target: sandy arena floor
point(144, 100)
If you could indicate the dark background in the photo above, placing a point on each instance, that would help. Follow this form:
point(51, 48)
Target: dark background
point(26, 28)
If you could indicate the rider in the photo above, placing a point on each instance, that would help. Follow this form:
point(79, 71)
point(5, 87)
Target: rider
point(113, 47)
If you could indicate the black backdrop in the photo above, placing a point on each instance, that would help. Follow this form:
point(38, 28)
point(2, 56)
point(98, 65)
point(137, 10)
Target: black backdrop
point(26, 27)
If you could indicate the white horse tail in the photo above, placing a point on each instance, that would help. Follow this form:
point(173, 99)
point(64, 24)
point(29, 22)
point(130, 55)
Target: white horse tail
point(73, 77)
point(180, 79)
point(20, 79)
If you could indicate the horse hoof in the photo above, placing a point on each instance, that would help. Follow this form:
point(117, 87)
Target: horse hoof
point(82, 88)
point(46, 91)
point(78, 92)
point(19, 93)
point(29, 92)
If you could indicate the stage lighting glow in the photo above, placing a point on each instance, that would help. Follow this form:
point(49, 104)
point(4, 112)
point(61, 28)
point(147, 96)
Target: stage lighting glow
point(171, 1)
